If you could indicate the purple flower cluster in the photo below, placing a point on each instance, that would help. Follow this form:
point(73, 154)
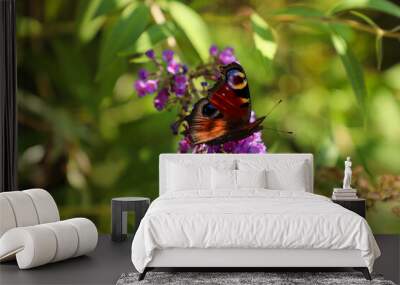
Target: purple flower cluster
point(251, 144)
point(225, 56)
point(176, 79)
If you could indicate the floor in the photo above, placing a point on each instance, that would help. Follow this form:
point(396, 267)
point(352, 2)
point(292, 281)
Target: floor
point(110, 260)
point(103, 266)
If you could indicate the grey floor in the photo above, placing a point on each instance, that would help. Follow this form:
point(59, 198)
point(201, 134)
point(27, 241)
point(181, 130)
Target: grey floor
point(110, 260)
point(102, 266)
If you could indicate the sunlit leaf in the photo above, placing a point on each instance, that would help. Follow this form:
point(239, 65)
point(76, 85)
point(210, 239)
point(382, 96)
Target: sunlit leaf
point(193, 26)
point(107, 6)
point(138, 58)
point(88, 25)
point(148, 39)
point(378, 5)
point(353, 69)
point(263, 37)
point(127, 29)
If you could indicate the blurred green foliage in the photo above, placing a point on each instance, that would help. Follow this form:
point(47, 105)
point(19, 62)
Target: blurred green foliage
point(86, 137)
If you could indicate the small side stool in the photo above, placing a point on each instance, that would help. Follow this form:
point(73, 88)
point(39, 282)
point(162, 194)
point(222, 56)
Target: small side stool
point(119, 210)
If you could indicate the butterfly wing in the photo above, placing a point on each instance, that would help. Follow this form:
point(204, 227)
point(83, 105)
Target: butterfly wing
point(205, 123)
point(227, 96)
point(225, 114)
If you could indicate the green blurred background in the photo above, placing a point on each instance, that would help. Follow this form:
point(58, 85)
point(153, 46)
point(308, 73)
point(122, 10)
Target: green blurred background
point(85, 136)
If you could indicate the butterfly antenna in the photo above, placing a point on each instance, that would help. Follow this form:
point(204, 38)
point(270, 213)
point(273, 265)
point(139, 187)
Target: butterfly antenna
point(279, 131)
point(273, 107)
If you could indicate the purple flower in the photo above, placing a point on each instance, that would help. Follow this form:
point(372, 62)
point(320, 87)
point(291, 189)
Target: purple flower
point(144, 87)
point(167, 55)
point(175, 127)
point(180, 80)
point(184, 145)
point(213, 149)
point(180, 85)
point(143, 74)
point(173, 67)
point(151, 86)
point(161, 99)
point(229, 147)
point(184, 68)
point(150, 53)
point(251, 144)
point(140, 87)
point(226, 56)
point(213, 50)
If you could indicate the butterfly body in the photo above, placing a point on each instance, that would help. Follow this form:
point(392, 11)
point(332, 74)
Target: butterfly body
point(224, 115)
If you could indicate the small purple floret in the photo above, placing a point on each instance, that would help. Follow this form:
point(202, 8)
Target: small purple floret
point(161, 99)
point(140, 87)
point(213, 50)
point(143, 74)
point(173, 67)
point(144, 87)
point(168, 55)
point(151, 86)
point(226, 56)
point(150, 54)
point(184, 68)
point(180, 85)
point(184, 145)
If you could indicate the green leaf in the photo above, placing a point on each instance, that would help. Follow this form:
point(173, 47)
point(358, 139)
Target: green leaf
point(378, 5)
point(148, 39)
point(107, 6)
point(352, 67)
point(298, 10)
point(193, 26)
point(124, 33)
point(365, 18)
point(89, 25)
point(263, 37)
point(379, 36)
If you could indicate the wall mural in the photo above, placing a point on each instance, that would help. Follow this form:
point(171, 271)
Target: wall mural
point(105, 86)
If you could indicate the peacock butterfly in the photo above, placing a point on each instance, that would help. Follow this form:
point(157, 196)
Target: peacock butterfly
point(224, 115)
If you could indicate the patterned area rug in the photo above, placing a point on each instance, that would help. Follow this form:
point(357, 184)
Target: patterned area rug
point(243, 278)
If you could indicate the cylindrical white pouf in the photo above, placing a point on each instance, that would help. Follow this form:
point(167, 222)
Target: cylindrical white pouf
point(45, 205)
point(23, 208)
point(7, 218)
point(34, 246)
point(87, 235)
point(67, 240)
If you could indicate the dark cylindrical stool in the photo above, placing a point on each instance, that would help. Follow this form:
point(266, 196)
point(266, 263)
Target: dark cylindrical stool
point(119, 210)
